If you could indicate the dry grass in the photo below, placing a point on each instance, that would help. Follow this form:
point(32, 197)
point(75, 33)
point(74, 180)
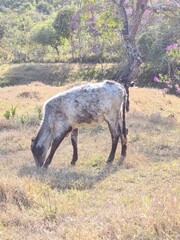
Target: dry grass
point(139, 200)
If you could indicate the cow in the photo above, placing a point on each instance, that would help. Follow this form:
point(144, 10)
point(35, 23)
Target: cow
point(85, 105)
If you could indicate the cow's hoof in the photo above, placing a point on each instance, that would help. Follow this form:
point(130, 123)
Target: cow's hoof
point(45, 167)
point(109, 161)
point(121, 160)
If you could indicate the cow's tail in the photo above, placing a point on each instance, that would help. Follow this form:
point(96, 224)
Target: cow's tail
point(125, 106)
point(124, 130)
point(127, 99)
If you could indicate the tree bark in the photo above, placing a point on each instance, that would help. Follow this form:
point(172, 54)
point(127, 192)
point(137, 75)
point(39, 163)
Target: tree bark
point(130, 27)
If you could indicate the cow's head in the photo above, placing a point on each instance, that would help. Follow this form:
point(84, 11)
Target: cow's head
point(38, 152)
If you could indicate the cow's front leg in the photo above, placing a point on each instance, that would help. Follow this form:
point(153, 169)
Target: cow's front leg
point(74, 137)
point(58, 139)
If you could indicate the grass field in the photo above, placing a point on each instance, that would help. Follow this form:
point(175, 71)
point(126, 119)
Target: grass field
point(93, 200)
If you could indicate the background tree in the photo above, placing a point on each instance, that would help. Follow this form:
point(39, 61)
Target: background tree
point(46, 35)
point(62, 22)
point(103, 31)
point(130, 27)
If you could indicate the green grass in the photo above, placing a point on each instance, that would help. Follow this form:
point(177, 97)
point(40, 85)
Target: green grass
point(93, 200)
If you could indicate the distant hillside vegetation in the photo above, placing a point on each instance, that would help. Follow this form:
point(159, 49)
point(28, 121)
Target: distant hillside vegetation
point(56, 74)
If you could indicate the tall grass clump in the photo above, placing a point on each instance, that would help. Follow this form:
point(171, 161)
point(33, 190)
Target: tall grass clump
point(10, 113)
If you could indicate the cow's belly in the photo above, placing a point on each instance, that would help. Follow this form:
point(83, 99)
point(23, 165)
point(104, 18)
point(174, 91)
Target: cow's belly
point(90, 123)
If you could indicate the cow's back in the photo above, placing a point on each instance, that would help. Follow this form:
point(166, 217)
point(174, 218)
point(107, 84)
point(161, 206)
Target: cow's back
point(88, 104)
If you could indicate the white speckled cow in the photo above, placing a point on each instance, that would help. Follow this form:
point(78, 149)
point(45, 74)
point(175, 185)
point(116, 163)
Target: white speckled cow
point(90, 104)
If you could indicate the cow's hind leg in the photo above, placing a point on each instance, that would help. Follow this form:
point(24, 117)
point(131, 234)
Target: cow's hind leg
point(58, 139)
point(115, 138)
point(74, 136)
point(123, 136)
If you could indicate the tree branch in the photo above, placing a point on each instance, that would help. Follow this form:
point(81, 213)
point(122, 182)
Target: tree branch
point(141, 7)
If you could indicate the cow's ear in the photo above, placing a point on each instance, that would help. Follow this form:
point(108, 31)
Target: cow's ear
point(32, 139)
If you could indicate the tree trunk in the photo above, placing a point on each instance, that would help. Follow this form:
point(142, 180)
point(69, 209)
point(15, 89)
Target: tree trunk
point(129, 72)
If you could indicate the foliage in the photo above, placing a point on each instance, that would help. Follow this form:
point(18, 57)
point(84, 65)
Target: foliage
point(44, 7)
point(161, 32)
point(62, 22)
point(171, 81)
point(27, 6)
point(45, 35)
point(85, 31)
point(13, 4)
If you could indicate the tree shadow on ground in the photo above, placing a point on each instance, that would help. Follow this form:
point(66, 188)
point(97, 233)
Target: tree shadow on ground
point(70, 177)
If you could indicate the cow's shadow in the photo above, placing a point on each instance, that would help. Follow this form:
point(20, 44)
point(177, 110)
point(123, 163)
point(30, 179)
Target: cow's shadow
point(71, 178)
